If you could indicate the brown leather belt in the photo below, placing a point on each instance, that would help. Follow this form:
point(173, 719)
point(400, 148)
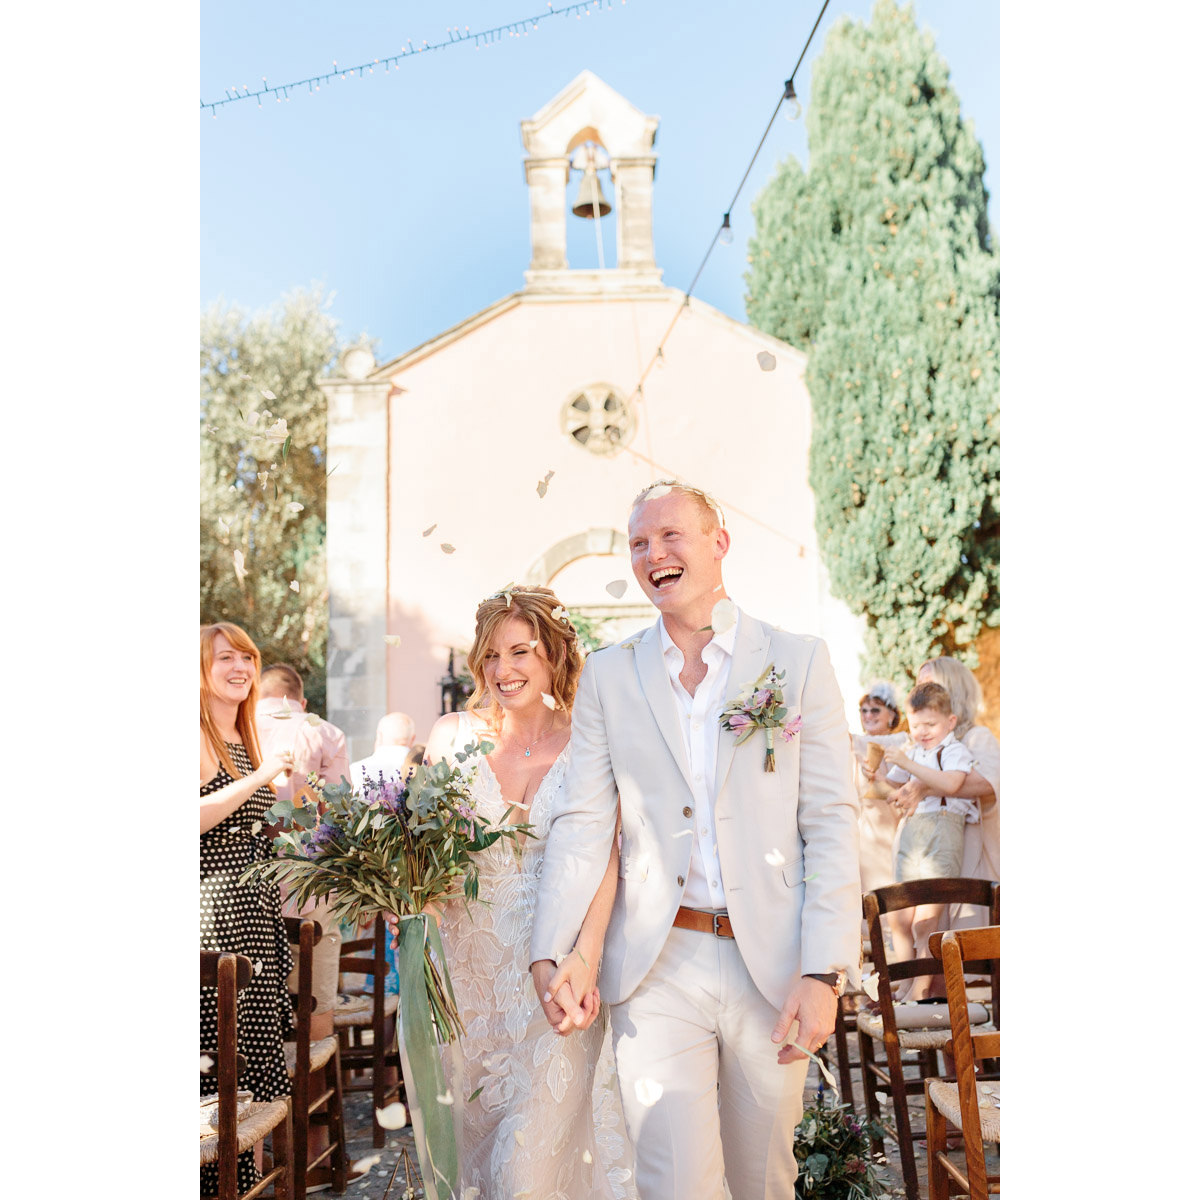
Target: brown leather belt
point(703, 922)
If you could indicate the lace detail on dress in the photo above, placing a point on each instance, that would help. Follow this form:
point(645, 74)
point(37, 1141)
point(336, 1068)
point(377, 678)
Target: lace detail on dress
point(547, 1122)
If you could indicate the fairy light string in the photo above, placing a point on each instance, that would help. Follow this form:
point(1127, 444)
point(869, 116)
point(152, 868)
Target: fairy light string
point(486, 37)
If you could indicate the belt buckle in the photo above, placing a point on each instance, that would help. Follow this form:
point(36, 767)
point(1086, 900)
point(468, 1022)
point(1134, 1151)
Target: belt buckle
point(716, 928)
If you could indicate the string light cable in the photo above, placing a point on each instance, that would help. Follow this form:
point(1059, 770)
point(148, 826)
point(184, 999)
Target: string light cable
point(724, 235)
point(486, 37)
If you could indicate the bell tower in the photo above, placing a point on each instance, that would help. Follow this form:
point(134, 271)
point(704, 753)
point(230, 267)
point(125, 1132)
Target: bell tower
point(593, 130)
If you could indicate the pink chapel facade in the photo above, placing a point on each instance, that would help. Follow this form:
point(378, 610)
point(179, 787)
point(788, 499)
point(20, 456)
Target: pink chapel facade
point(545, 380)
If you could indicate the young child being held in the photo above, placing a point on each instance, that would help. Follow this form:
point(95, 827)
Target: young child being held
point(931, 840)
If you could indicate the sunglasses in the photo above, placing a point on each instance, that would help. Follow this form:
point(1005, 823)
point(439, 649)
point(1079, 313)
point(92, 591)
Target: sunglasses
point(872, 711)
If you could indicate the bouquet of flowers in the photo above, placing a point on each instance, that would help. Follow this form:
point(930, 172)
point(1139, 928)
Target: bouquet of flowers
point(395, 848)
point(833, 1150)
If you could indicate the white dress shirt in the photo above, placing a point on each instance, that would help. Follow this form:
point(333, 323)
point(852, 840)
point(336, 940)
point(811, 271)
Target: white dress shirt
point(387, 761)
point(955, 757)
point(699, 722)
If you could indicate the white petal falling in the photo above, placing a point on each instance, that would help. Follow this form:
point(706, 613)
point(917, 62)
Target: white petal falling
point(617, 588)
point(239, 565)
point(267, 393)
point(447, 548)
point(278, 433)
point(445, 1098)
point(870, 985)
point(294, 586)
point(429, 530)
point(534, 644)
point(395, 1116)
point(549, 701)
point(774, 858)
point(313, 719)
point(657, 493)
point(648, 1091)
point(206, 1064)
point(392, 639)
point(258, 966)
point(294, 506)
point(724, 616)
point(256, 828)
point(223, 525)
point(519, 1137)
point(766, 360)
point(365, 1164)
point(282, 714)
point(587, 1156)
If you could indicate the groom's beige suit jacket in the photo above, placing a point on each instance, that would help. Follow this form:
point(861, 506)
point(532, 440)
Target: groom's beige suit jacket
point(787, 842)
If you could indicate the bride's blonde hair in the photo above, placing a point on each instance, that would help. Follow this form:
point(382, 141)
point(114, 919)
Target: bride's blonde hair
point(555, 636)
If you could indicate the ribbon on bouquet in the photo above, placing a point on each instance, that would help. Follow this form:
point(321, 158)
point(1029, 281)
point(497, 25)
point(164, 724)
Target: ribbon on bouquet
point(434, 1102)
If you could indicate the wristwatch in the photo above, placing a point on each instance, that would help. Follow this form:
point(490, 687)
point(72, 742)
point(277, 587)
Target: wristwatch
point(835, 979)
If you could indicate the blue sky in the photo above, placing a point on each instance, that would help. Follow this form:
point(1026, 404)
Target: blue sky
point(403, 192)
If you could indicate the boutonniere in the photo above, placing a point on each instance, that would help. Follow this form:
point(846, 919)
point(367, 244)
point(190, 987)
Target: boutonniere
point(759, 705)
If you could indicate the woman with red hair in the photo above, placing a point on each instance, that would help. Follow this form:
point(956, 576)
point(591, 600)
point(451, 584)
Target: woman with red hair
point(235, 793)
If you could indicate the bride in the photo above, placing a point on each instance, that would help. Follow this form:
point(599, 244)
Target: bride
point(542, 1115)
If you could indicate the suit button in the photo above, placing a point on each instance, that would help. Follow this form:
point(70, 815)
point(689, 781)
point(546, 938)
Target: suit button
point(679, 880)
point(687, 812)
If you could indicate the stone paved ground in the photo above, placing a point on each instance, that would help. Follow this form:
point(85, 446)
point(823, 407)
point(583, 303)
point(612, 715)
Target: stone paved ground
point(379, 1183)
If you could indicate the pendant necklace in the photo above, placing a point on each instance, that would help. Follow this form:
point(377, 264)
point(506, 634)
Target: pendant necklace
point(541, 739)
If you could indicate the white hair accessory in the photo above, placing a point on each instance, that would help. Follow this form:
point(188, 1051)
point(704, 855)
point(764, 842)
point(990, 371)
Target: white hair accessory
point(883, 691)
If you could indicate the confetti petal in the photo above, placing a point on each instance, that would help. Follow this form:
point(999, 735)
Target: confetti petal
point(258, 966)
point(447, 548)
point(445, 1098)
point(239, 565)
point(313, 719)
point(282, 714)
point(534, 644)
point(365, 1164)
point(392, 639)
point(775, 858)
point(766, 360)
point(256, 827)
point(549, 701)
point(295, 506)
point(429, 530)
point(267, 393)
point(519, 1137)
point(277, 433)
point(617, 588)
point(724, 616)
point(223, 525)
point(206, 1064)
point(883, 1097)
point(587, 1156)
point(395, 1116)
point(471, 1193)
point(870, 985)
point(294, 586)
point(648, 1091)
point(657, 493)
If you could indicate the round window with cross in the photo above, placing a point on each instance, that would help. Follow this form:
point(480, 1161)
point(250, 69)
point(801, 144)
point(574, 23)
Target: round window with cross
point(598, 418)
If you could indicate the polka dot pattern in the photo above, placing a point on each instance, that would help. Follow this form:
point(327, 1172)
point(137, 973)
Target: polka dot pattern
point(245, 919)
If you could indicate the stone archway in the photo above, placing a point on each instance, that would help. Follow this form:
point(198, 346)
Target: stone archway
point(578, 545)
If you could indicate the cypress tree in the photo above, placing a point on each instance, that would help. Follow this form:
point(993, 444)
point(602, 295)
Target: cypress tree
point(879, 264)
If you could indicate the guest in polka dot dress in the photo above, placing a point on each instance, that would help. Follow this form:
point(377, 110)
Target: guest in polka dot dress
point(235, 793)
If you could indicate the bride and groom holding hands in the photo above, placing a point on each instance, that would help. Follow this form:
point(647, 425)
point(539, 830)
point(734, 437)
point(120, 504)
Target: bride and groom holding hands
point(718, 884)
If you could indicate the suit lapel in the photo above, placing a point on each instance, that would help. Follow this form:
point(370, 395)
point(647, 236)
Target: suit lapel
point(656, 687)
point(750, 652)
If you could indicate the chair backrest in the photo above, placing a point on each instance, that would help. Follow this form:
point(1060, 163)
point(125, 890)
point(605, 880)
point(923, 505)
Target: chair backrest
point(303, 933)
point(954, 949)
point(230, 973)
point(948, 890)
point(354, 959)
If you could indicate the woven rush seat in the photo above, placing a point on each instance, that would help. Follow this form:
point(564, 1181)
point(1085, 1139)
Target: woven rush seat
point(944, 1094)
point(920, 1026)
point(257, 1121)
point(356, 1009)
point(319, 1052)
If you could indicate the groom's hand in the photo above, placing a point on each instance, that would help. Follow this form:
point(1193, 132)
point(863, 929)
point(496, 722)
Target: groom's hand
point(560, 1007)
point(812, 1003)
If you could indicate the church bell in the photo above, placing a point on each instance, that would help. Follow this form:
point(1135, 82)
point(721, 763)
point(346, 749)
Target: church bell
point(591, 201)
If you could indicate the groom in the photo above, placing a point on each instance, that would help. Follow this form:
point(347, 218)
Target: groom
point(738, 906)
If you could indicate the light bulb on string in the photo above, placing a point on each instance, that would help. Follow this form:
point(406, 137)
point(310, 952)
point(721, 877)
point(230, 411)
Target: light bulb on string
point(725, 237)
point(791, 103)
point(659, 360)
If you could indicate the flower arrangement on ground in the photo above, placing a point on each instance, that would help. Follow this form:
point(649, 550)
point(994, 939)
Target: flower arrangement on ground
point(833, 1151)
point(396, 848)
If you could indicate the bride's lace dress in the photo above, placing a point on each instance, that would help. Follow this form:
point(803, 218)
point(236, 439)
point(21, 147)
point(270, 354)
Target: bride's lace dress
point(547, 1121)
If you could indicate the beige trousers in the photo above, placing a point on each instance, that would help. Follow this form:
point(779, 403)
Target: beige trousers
point(704, 1096)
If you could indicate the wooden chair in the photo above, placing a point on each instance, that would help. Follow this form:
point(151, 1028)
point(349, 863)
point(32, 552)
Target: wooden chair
point(924, 1028)
point(844, 1021)
point(304, 1056)
point(374, 1010)
point(239, 1128)
point(969, 1104)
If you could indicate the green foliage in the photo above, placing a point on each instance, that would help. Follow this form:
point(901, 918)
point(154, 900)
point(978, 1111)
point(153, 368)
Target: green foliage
point(878, 263)
point(247, 482)
point(833, 1152)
